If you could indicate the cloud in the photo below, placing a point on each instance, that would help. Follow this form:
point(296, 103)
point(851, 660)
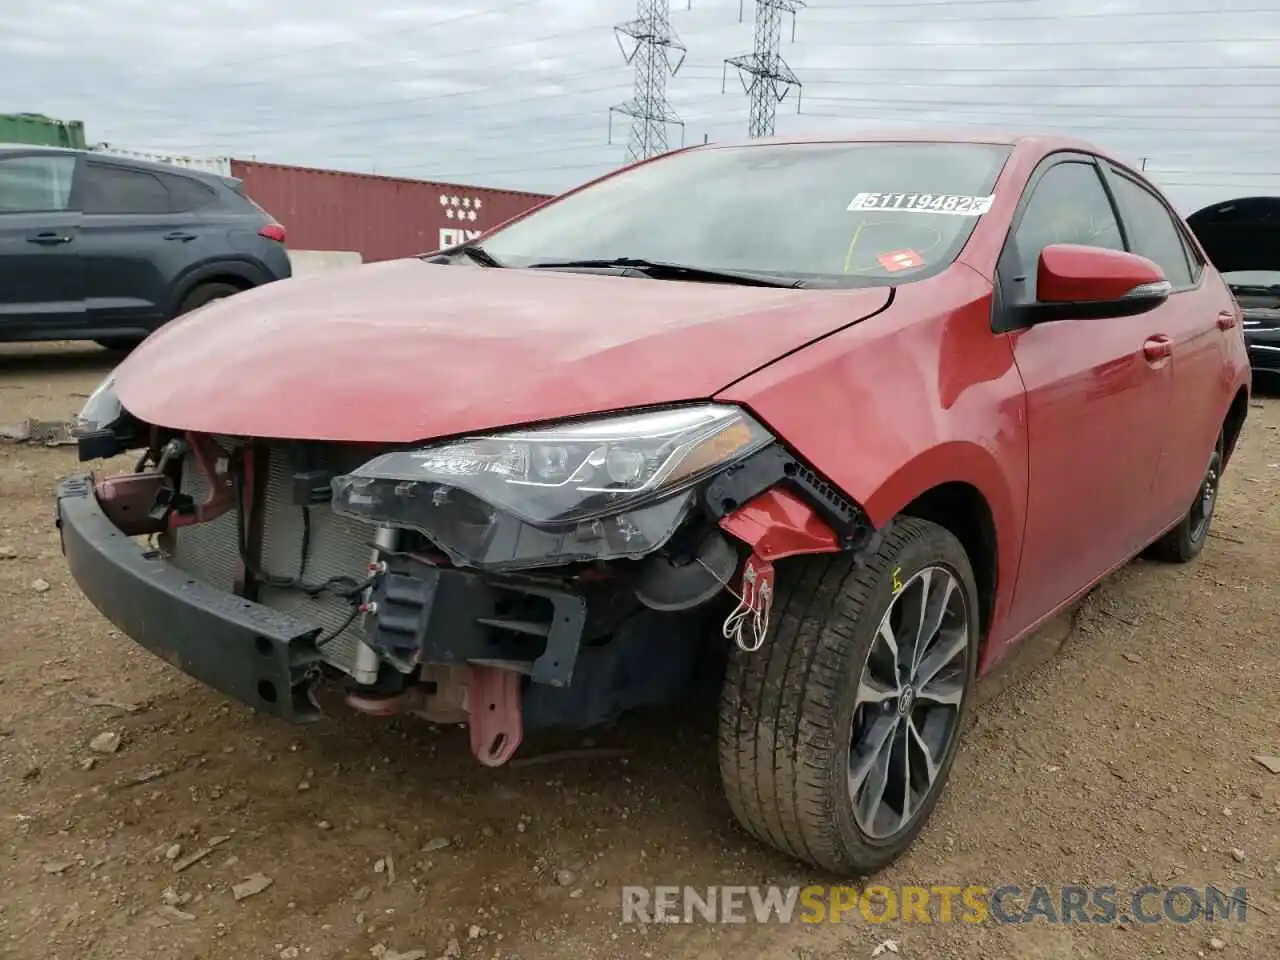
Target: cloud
point(516, 92)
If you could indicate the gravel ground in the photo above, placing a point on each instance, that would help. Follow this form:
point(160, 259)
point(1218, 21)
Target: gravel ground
point(1116, 749)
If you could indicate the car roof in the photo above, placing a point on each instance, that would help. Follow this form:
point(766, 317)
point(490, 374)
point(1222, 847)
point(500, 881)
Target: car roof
point(208, 176)
point(1042, 142)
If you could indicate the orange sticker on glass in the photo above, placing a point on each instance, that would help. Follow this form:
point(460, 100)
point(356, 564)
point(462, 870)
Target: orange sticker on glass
point(896, 260)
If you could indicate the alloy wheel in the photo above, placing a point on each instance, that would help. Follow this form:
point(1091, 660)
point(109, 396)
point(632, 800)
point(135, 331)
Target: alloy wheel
point(908, 701)
point(1202, 509)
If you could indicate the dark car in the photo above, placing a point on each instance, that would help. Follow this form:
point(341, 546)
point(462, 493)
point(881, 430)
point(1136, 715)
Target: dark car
point(1242, 238)
point(97, 247)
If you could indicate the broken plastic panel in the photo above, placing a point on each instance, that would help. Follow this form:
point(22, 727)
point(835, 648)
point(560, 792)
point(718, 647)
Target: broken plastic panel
point(100, 410)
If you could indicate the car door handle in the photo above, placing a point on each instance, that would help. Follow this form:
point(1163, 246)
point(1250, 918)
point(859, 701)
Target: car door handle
point(1226, 320)
point(180, 235)
point(49, 238)
point(1157, 348)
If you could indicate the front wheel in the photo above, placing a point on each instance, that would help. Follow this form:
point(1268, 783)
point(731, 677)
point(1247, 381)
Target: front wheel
point(837, 735)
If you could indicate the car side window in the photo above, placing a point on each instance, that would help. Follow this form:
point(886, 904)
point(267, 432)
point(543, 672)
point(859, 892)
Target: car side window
point(36, 184)
point(186, 194)
point(118, 190)
point(1152, 232)
point(1067, 205)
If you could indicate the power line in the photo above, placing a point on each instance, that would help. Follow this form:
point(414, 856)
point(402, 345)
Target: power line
point(294, 51)
point(1039, 124)
point(432, 59)
point(882, 77)
point(400, 116)
point(1050, 68)
point(999, 111)
point(1015, 18)
point(270, 127)
point(771, 78)
point(649, 109)
point(949, 4)
point(881, 43)
point(1103, 110)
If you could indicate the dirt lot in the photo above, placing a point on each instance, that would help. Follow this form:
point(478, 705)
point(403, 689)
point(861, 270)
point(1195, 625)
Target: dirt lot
point(1122, 756)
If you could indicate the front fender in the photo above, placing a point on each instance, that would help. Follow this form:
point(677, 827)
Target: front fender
point(918, 397)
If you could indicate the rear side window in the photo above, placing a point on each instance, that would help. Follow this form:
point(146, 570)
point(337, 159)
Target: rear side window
point(1067, 205)
point(37, 184)
point(1152, 232)
point(186, 194)
point(119, 190)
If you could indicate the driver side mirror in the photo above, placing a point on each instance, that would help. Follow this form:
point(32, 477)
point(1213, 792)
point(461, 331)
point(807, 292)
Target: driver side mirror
point(1078, 282)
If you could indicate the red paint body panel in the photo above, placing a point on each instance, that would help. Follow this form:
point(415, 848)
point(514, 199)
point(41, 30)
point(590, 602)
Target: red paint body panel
point(779, 524)
point(383, 218)
point(406, 350)
point(1084, 443)
point(919, 397)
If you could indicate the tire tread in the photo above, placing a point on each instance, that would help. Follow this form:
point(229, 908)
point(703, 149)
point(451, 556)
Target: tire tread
point(780, 703)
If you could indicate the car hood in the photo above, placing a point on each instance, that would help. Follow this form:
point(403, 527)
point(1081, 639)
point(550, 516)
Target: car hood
point(1242, 234)
point(406, 350)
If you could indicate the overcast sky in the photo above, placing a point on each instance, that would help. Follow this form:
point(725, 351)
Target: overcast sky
point(516, 92)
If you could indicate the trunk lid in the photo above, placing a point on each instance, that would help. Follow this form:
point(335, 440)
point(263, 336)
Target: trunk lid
point(1240, 235)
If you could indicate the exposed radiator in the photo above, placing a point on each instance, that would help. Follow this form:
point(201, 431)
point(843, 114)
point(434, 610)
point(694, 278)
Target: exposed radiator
point(339, 546)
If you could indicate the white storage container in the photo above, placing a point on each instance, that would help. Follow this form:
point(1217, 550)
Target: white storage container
point(219, 165)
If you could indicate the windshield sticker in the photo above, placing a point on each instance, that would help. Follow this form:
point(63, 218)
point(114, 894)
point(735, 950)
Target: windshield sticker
point(896, 260)
point(946, 203)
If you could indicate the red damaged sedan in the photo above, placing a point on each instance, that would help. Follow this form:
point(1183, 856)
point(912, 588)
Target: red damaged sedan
point(831, 424)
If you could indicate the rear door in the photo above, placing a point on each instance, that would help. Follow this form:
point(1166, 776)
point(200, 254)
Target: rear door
point(1096, 405)
point(41, 273)
point(1198, 318)
point(140, 231)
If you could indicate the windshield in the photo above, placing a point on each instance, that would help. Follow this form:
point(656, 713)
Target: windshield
point(856, 214)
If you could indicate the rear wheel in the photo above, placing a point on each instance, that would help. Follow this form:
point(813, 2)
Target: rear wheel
point(1185, 541)
point(118, 343)
point(205, 293)
point(837, 736)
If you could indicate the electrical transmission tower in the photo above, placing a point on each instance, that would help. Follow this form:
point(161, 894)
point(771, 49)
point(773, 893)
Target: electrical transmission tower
point(652, 54)
point(771, 78)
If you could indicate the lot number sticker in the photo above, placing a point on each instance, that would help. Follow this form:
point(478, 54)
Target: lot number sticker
point(947, 203)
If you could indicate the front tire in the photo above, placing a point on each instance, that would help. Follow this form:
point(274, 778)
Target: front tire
point(205, 293)
point(816, 725)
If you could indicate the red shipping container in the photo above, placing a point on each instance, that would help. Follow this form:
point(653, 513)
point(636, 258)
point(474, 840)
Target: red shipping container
point(382, 218)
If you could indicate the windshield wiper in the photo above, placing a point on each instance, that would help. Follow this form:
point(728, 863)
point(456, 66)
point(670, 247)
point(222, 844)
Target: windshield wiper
point(659, 270)
point(1264, 288)
point(471, 250)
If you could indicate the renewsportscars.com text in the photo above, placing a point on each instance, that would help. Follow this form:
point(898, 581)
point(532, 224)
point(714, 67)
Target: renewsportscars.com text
point(1008, 904)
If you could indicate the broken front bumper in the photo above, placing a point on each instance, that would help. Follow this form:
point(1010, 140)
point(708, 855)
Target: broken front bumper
point(420, 614)
point(247, 651)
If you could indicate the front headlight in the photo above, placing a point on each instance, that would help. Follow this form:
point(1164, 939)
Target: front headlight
point(590, 490)
point(100, 411)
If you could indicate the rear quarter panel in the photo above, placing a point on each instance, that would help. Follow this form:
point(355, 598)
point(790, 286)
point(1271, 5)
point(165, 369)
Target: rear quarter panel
point(920, 395)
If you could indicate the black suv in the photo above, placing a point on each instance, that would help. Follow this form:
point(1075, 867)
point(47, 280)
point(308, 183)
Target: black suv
point(97, 247)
